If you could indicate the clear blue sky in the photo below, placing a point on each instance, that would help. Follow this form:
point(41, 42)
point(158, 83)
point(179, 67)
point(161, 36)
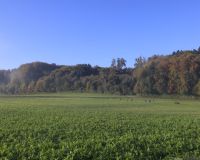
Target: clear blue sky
point(95, 31)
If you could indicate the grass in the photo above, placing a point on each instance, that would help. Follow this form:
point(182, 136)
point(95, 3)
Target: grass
point(92, 126)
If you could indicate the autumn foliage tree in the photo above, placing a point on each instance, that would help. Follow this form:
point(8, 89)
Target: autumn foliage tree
point(174, 74)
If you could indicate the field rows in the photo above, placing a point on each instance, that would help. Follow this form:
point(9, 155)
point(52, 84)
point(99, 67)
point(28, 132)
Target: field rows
point(98, 128)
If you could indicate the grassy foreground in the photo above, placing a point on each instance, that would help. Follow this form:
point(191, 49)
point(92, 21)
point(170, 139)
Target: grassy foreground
point(78, 126)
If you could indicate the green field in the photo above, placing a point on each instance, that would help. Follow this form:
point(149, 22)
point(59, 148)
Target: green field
point(85, 126)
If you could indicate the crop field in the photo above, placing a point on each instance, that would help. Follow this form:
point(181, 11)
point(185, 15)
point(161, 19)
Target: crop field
point(86, 126)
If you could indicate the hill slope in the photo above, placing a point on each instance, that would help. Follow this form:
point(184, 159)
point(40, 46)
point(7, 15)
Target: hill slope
point(178, 73)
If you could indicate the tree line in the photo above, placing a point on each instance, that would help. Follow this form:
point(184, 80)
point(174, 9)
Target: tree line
point(177, 73)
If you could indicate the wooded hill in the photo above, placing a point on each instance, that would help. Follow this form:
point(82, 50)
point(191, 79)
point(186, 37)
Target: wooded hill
point(178, 73)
